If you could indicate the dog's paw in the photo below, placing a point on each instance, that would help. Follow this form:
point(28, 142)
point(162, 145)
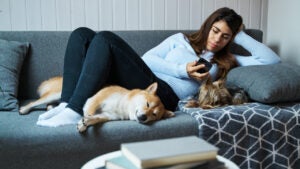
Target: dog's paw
point(23, 110)
point(81, 125)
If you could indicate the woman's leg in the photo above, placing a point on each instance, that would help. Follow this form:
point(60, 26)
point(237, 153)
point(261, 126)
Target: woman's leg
point(74, 57)
point(110, 60)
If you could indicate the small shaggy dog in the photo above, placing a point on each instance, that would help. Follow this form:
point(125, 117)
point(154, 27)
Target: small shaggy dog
point(216, 94)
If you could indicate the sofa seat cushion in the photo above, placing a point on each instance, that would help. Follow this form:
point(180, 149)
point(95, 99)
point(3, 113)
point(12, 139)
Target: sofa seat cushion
point(65, 147)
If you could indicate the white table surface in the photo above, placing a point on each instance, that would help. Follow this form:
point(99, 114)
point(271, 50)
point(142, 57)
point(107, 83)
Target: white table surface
point(100, 161)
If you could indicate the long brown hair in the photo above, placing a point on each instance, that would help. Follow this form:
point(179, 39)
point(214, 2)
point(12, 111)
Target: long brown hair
point(223, 58)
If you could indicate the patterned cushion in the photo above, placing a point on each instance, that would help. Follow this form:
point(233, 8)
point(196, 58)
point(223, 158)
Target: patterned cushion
point(253, 135)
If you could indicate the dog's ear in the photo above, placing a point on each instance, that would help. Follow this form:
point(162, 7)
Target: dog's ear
point(152, 88)
point(168, 114)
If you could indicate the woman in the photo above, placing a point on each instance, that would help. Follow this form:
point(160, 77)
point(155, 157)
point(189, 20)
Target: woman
point(93, 60)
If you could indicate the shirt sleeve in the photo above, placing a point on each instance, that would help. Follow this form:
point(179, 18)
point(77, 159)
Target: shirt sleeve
point(156, 59)
point(260, 53)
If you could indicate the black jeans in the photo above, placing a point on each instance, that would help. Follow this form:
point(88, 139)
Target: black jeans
point(94, 60)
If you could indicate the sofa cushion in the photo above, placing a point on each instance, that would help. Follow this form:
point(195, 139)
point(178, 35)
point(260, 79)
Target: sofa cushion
point(12, 55)
point(268, 83)
point(26, 145)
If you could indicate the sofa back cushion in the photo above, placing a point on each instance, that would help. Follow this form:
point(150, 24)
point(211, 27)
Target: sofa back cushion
point(47, 48)
point(45, 58)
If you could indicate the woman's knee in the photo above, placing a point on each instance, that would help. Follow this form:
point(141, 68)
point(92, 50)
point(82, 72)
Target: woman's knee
point(107, 36)
point(83, 32)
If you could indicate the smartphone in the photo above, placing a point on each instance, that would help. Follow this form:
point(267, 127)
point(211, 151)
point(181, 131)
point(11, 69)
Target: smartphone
point(207, 64)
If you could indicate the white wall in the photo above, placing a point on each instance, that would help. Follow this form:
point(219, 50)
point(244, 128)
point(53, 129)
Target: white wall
point(121, 14)
point(279, 19)
point(283, 29)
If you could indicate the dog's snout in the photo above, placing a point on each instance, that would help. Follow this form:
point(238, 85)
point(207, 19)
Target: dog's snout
point(142, 117)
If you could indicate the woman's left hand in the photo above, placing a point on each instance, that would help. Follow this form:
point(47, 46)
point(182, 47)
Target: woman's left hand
point(192, 69)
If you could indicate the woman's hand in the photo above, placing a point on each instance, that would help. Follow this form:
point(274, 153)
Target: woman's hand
point(191, 69)
point(242, 27)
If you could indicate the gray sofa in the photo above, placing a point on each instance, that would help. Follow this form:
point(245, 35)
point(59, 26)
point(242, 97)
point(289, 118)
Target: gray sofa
point(25, 145)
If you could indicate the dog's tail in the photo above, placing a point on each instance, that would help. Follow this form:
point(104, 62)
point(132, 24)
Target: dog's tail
point(53, 97)
point(49, 92)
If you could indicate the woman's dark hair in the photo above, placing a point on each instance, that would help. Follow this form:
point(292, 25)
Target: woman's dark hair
point(223, 58)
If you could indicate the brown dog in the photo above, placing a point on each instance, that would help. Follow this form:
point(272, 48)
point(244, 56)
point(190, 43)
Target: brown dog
point(118, 103)
point(215, 94)
point(110, 103)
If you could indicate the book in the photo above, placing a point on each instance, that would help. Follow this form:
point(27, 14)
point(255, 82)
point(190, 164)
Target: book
point(164, 152)
point(121, 162)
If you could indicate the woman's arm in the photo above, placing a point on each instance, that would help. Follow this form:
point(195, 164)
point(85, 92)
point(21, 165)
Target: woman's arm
point(158, 60)
point(157, 64)
point(260, 53)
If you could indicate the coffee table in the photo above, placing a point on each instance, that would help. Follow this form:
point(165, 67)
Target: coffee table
point(99, 162)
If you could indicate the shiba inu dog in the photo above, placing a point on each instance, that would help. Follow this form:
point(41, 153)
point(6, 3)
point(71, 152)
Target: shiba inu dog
point(216, 94)
point(110, 103)
point(118, 103)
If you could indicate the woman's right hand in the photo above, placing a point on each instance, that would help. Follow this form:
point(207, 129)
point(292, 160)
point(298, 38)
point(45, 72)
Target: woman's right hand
point(192, 68)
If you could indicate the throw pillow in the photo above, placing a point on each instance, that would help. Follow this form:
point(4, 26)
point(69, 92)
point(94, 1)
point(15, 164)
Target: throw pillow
point(12, 55)
point(268, 83)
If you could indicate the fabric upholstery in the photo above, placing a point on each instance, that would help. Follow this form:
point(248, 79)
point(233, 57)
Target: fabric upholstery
point(268, 83)
point(27, 145)
point(12, 55)
point(253, 135)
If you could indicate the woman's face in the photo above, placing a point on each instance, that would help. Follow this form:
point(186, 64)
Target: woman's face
point(219, 36)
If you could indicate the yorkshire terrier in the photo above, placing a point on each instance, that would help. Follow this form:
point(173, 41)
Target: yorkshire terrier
point(216, 94)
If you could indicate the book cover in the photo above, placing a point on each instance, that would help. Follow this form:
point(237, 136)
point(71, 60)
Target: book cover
point(119, 162)
point(163, 152)
point(122, 162)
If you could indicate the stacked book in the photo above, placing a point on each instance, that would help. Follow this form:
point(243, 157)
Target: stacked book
point(188, 152)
